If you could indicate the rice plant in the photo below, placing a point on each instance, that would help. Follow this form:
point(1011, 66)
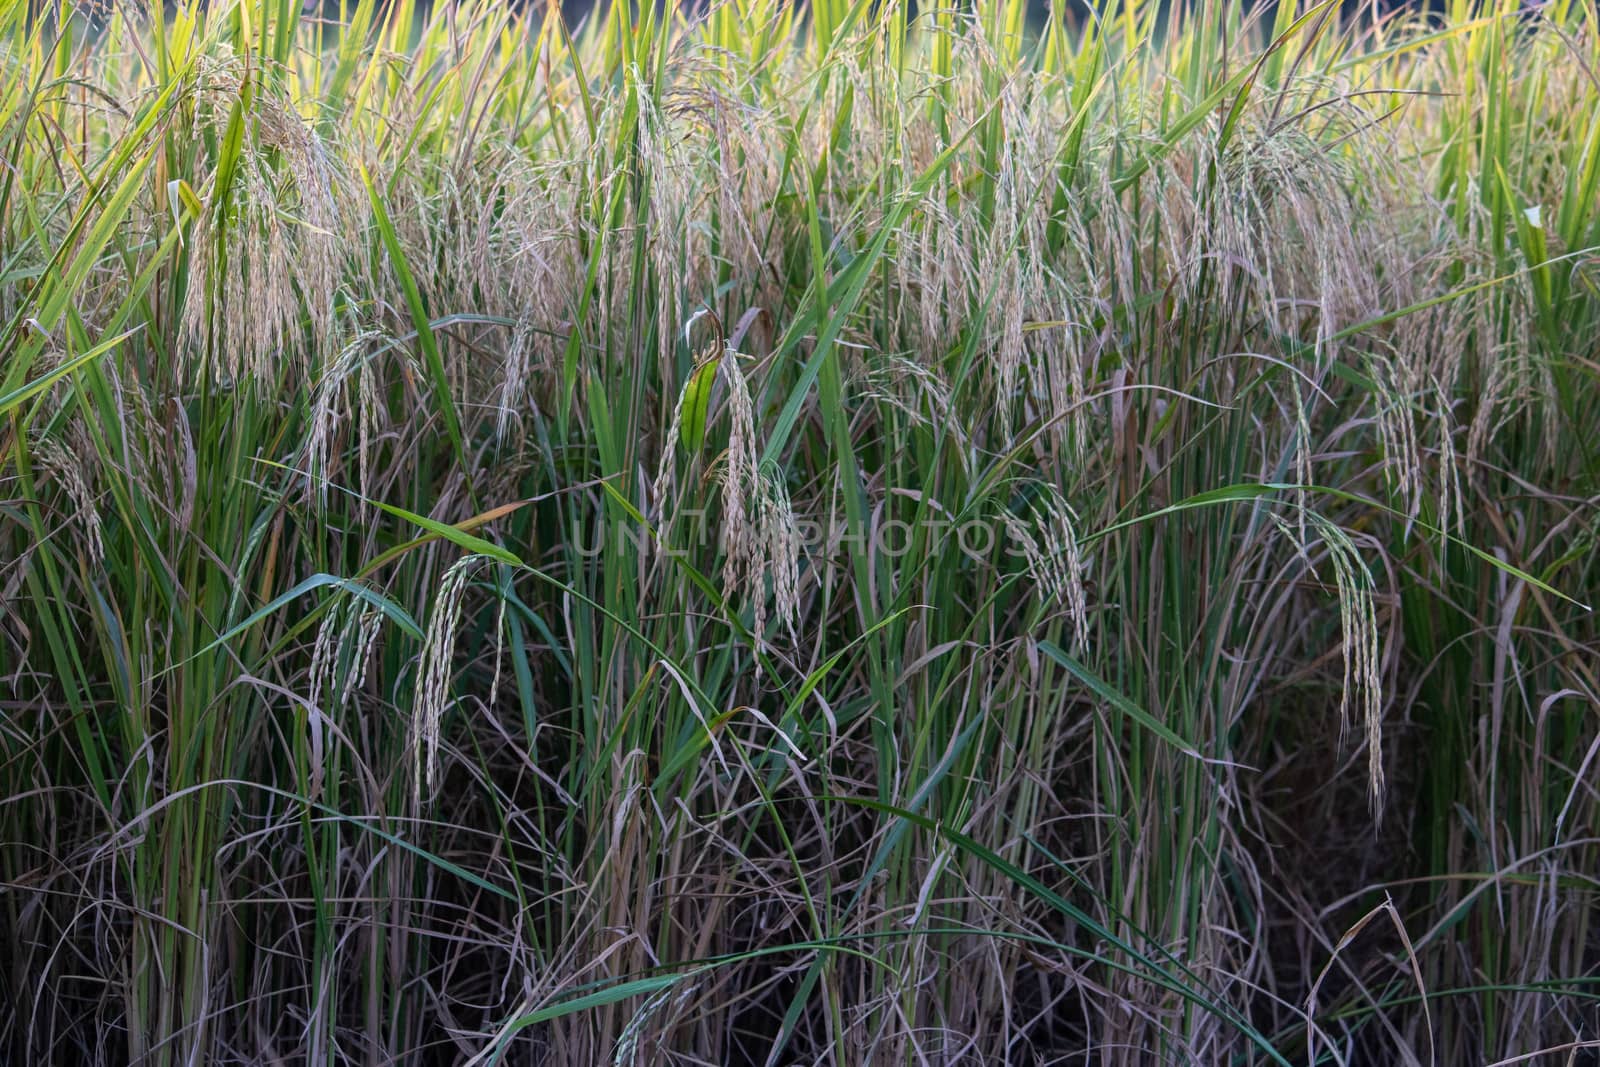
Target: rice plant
point(754, 533)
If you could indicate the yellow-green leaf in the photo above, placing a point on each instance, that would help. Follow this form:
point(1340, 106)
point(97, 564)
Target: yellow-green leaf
point(697, 403)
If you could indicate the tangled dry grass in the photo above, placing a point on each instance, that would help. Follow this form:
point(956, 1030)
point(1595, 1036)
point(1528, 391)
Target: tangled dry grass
point(843, 536)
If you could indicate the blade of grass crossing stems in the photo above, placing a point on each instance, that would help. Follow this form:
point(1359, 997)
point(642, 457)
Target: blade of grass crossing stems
point(1196, 993)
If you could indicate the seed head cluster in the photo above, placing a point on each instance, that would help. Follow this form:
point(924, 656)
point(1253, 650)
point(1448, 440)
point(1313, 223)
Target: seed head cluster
point(435, 668)
point(265, 257)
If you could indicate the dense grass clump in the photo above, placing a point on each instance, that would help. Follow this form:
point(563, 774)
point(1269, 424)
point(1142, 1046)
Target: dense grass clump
point(765, 535)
